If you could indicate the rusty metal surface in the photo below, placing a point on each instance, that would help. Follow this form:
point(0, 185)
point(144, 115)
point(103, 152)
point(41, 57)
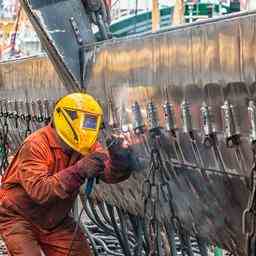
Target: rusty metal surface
point(30, 78)
point(213, 63)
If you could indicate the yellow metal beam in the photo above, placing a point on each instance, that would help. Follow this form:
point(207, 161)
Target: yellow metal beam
point(155, 16)
point(178, 15)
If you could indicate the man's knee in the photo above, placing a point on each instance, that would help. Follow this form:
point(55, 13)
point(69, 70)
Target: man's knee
point(65, 240)
point(19, 240)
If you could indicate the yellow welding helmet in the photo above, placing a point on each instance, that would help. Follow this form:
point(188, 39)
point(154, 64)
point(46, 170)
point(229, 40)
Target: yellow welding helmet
point(78, 118)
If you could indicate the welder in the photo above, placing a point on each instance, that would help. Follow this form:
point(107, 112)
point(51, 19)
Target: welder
point(43, 180)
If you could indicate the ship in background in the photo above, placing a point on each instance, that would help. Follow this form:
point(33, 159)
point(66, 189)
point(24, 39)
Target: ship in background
point(18, 38)
point(129, 21)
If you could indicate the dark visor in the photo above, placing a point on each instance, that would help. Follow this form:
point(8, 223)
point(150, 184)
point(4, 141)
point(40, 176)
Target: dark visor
point(90, 122)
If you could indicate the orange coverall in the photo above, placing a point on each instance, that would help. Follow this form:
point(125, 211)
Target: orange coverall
point(34, 206)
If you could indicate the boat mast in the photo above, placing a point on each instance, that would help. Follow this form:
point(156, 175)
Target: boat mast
point(178, 14)
point(14, 35)
point(251, 5)
point(155, 16)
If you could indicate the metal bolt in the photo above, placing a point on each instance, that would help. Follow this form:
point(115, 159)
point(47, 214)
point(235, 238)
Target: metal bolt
point(124, 120)
point(207, 117)
point(137, 122)
point(186, 117)
point(231, 129)
point(252, 118)
point(169, 117)
point(153, 122)
point(229, 119)
point(112, 121)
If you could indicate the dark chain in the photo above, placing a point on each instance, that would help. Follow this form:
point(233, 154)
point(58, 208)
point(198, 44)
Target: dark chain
point(28, 122)
point(156, 190)
point(249, 214)
point(4, 141)
point(29, 113)
point(151, 189)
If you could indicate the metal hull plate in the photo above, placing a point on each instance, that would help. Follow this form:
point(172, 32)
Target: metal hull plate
point(210, 63)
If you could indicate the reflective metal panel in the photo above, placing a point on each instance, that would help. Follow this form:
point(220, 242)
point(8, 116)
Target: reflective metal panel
point(206, 64)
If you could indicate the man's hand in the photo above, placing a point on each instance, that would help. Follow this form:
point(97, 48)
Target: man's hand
point(119, 165)
point(92, 165)
point(121, 154)
point(122, 159)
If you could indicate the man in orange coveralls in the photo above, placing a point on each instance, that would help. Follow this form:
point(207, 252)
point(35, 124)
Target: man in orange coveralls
point(42, 182)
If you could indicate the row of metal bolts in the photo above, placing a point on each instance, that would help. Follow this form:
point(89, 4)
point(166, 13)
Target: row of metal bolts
point(230, 122)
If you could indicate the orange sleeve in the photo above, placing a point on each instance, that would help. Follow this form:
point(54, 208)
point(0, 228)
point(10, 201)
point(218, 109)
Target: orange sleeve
point(34, 173)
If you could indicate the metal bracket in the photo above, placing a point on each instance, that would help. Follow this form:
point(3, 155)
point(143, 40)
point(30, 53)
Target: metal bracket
point(76, 30)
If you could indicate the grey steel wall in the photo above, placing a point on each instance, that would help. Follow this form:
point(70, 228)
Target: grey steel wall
point(24, 83)
point(212, 62)
point(33, 78)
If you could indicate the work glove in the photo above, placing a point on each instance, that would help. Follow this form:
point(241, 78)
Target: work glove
point(91, 165)
point(121, 161)
point(120, 154)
